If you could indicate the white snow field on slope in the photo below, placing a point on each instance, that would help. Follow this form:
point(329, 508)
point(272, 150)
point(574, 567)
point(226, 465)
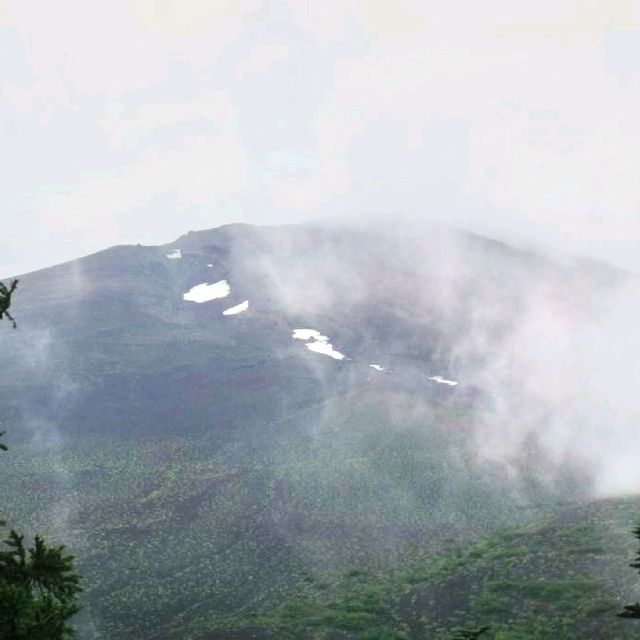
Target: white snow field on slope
point(175, 254)
point(319, 343)
point(377, 367)
point(441, 380)
point(326, 349)
point(239, 308)
point(308, 334)
point(206, 292)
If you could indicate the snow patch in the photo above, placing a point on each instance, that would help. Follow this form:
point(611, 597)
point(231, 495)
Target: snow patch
point(441, 380)
point(209, 265)
point(319, 343)
point(326, 349)
point(308, 334)
point(377, 367)
point(239, 308)
point(175, 254)
point(205, 292)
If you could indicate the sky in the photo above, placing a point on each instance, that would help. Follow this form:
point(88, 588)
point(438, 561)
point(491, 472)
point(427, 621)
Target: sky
point(134, 121)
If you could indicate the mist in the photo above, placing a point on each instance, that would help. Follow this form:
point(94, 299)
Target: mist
point(320, 304)
point(505, 390)
point(512, 121)
point(546, 344)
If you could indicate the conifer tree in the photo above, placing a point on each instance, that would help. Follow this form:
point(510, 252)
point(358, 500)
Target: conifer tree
point(633, 610)
point(38, 587)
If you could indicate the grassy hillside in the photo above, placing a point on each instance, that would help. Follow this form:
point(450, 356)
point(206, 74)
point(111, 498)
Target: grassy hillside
point(563, 579)
point(341, 521)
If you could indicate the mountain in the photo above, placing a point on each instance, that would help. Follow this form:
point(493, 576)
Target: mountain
point(324, 431)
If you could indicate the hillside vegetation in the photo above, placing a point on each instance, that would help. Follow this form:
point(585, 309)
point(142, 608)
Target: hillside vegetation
point(218, 477)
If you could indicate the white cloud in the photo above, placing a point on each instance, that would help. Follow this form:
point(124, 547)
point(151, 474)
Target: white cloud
point(125, 45)
point(139, 124)
point(198, 173)
point(185, 103)
point(260, 58)
point(551, 136)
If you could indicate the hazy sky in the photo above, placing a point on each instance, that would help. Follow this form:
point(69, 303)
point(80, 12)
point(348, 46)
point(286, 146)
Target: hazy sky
point(136, 120)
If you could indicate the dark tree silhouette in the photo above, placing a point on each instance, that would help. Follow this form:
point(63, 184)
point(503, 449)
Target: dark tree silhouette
point(38, 587)
point(5, 301)
point(633, 610)
point(38, 590)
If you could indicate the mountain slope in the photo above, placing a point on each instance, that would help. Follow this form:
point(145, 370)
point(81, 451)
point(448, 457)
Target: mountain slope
point(209, 467)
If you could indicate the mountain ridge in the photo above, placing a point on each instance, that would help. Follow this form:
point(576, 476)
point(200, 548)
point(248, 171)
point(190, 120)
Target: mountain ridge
point(202, 464)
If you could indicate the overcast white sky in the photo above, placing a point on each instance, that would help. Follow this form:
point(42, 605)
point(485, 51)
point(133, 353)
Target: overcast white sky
point(136, 120)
